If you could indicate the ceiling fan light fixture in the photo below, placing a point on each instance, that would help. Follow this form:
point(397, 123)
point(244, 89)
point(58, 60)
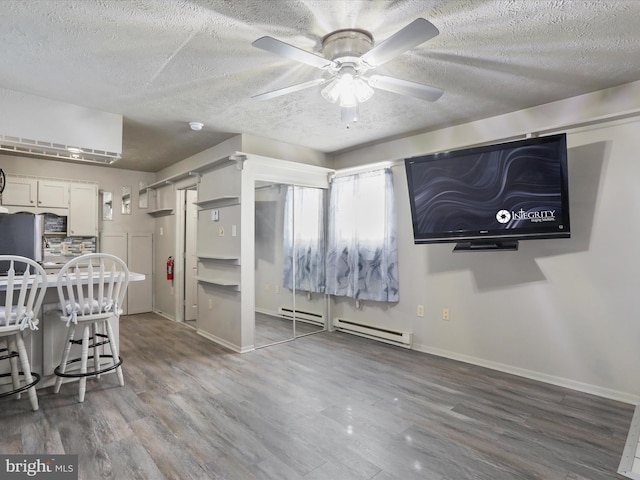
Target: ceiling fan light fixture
point(331, 93)
point(348, 88)
point(362, 90)
point(349, 115)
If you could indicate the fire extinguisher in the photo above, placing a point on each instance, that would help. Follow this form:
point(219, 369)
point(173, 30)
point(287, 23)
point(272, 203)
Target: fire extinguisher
point(170, 268)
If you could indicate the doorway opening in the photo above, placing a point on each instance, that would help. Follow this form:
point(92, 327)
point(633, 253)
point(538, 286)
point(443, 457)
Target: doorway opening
point(189, 281)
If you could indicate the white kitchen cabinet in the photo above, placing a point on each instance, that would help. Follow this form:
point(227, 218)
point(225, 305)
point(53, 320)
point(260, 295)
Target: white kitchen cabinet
point(33, 192)
point(140, 260)
point(76, 200)
point(53, 193)
point(83, 210)
point(20, 191)
point(136, 249)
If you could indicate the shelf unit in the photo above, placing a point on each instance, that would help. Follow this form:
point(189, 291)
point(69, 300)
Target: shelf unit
point(160, 212)
point(238, 158)
point(224, 201)
point(220, 258)
point(218, 281)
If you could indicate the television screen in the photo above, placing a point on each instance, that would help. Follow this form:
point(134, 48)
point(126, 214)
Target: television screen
point(491, 196)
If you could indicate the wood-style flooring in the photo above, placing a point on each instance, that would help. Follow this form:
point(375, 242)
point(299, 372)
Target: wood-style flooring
point(327, 406)
point(270, 329)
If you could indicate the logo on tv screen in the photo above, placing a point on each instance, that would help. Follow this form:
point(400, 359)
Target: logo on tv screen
point(503, 216)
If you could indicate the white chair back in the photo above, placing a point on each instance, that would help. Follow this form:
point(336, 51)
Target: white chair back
point(26, 287)
point(92, 286)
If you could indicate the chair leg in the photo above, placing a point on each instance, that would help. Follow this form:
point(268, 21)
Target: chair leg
point(13, 361)
point(26, 368)
point(96, 349)
point(114, 351)
point(65, 355)
point(83, 361)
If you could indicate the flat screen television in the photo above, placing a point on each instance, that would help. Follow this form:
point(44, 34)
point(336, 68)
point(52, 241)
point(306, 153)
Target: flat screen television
point(491, 197)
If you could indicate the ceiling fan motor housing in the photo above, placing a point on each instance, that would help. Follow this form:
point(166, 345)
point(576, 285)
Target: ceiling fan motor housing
point(346, 45)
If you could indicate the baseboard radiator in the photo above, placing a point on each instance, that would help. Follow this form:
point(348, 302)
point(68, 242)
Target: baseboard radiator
point(394, 337)
point(302, 315)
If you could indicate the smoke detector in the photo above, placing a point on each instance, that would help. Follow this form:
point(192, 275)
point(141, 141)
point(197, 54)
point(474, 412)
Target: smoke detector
point(197, 126)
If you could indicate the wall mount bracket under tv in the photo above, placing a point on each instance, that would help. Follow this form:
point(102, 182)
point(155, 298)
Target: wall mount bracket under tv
point(491, 197)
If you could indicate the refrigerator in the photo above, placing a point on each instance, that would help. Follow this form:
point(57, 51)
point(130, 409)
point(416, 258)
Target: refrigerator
point(21, 234)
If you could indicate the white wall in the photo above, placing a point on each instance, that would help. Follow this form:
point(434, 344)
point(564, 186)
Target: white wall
point(42, 119)
point(164, 246)
point(562, 310)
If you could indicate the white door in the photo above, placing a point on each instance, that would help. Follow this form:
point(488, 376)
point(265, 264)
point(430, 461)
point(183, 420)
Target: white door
point(190, 257)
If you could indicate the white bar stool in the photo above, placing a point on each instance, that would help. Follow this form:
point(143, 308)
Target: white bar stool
point(91, 289)
point(26, 287)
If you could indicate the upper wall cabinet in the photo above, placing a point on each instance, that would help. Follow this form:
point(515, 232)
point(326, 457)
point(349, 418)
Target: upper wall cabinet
point(32, 192)
point(83, 209)
point(53, 193)
point(76, 200)
point(20, 191)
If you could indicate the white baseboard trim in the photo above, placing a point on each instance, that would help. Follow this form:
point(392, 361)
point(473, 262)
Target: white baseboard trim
point(224, 343)
point(167, 316)
point(533, 375)
point(631, 453)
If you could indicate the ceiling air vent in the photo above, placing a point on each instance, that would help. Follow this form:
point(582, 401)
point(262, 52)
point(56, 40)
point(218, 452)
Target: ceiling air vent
point(38, 148)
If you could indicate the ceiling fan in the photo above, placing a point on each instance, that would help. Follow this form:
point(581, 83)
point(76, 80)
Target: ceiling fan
point(348, 54)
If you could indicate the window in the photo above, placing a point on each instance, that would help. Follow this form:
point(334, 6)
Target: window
point(362, 253)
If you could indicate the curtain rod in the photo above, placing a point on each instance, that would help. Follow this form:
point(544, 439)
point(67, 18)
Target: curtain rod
point(370, 167)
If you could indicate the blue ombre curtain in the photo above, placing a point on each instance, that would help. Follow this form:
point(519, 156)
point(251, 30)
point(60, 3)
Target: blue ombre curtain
point(304, 243)
point(362, 256)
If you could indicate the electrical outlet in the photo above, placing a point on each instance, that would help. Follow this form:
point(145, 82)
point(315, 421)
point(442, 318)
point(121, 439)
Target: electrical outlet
point(221, 232)
point(211, 304)
point(267, 287)
point(277, 288)
point(420, 311)
point(445, 314)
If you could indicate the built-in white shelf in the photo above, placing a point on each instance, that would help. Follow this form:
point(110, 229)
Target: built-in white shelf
point(223, 201)
point(221, 258)
point(160, 212)
point(218, 281)
point(237, 157)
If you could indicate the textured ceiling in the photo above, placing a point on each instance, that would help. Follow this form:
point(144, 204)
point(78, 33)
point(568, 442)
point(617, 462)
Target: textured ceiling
point(162, 64)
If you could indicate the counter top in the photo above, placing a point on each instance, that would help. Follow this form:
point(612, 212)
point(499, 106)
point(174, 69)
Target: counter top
point(52, 280)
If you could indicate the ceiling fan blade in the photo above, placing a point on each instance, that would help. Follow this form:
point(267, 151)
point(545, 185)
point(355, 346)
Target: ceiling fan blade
point(283, 49)
point(405, 87)
point(417, 32)
point(290, 89)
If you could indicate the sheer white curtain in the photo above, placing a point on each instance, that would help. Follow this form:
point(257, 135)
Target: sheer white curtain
point(362, 258)
point(304, 239)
